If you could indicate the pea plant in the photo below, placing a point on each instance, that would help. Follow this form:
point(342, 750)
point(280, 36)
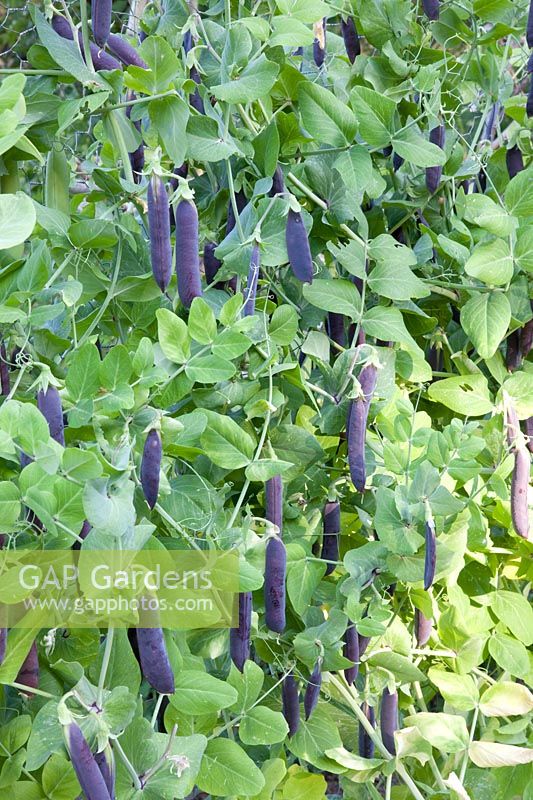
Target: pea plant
point(265, 288)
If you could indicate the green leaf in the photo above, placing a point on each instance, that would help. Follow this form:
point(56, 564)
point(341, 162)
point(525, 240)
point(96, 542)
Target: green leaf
point(386, 322)
point(283, 325)
point(169, 116)
point(17, 219)
point(483, 211)
point(230, 344)
point(209, 369)
point(491, 263)
point(324, 116)
point(173, 336)
point(396, 281)
point(59, 779)
point(163, 63)
point(494, 754)
point(314, 737)
point(93, 234)
point(509, 654)
point(266, 468)
point(202, 323)
point(9, 504)
point(255, 81)
point(261, 725)
point(464, 394)
point(523, 251)
point(506, 699)
point(518, 195)
point(302, 580)
point(82, 379)
point(374, 114)
point(336, 295)
point(204, 143)
point(515, 612)
point(400, 666)
point(485, 319)
point(443, 731)
point(225, 764)
point(199, 693)
point(66, 53)
point(415, 148)
point(225, 442)
point(460, 691)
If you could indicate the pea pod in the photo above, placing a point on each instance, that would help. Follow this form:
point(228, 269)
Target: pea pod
point(389, 719)
point(28, 674)
point(124, 51)
point(529, 29)
point(434, 174)
point(251, 286)
point(514, 161)
point(336, 328)
point(298, 248)
point(239, 637)
point(211, 264)
point(85, 766)
point(366, 745)
point(364, 641)
point(356, 426)
point(101, 20)
point(351, 651)
point(159, 231)
point(5, 381)
point(330, 535)
point(278, 183)
point(151, 467)
point(49, 404)
point(312, 692)
point(519, 487)
point(513, 354)
point(84, 532)
point(154, 659)
point(240, 202)
point(431, 9)
point(430, 560)
point(351, 38)
point(106, 765)
point(274, 587)
point(319, 44)
point(290, 697)
point(423, 628)
point(274, 501)
point(101, 60)
point(57, 181)
point(187, 258)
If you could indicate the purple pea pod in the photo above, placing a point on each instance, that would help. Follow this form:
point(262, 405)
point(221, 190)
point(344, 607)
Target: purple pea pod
point(513, 352)
point(434, 174)
point(529, 29)
point(5, 382)
point(106, 765)
point(290, 697)
point(195, 99)
point(251, 286)
point(366, 745)
point(211, 264)
point(336, 328)
point(389, 719)
point(187, 42)
point(187, 252)
point(298, 248)
point(423, 628)
point(151, 467)
point(85, 530)
point(356, 426)
point(159, 231)
point(101, 60)
point(49, 404)
point(351, 651)
point(529, 102)
point(278, 183)
point(239, 638)
point(330, 535)
point(155, 664)
point(397, 162)
point(312, 692)
point(519, 487)
point(274, 589)
point(28, 674)
point(431, 9)
point(101, 20)
point(274, 502)
point(351, 38)
point(526, 338)
point(85, 766)
point(124, 51)
point(490, 124)
point(240, 202)
point(364, 641)
point(319, 44)
point(430, 560)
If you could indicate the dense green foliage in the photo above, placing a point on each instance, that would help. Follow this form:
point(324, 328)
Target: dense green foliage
point(403, 174)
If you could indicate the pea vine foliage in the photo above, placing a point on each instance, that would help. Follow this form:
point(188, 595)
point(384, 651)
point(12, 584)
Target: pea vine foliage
point(375, 412)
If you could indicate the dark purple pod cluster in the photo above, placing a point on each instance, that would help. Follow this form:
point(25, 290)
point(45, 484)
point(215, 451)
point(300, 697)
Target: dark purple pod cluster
point(431, 9)
point(101, 60)
point(356, 426)
point(290, 697)
point(519, 487)
point(239, 638)
point(351, 651)
point(159, 231)
point(389, 719)
point(101, 20)
point(298, 248)
point(28, 674)
point(434, 174)
point(319, 46)
point(124, 51)
point(251, 285)
point(312, 691)
point(151, 467)
point(5, 382)
point(155, 664)
point(366, 745)
point(49, 404)
point(187, 252)
point(330, 535)
point(85, 766)
point(351, 38)
point(430, 560)
point(274, 589)
point(423, 628)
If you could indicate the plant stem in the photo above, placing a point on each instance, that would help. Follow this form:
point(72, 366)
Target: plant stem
point(105, 664)
point(470, 740)
point(127, 763)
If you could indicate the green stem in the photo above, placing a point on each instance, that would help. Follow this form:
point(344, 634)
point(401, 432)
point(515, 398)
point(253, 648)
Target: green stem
point(127, 763)
point(59, 73)
point(105, 664)
point(124, 155)
point(85, 36)
point(233, 201)
point(470, 740)
point(137, 100)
